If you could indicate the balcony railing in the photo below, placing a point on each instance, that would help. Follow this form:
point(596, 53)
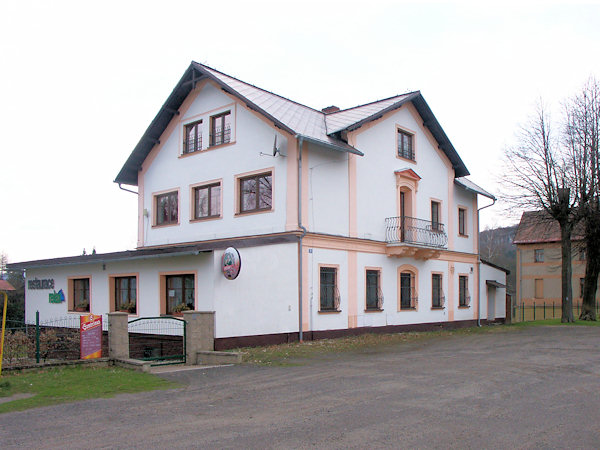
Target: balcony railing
point(410, 230)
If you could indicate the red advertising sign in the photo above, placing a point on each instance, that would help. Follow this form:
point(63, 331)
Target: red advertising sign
point(90, 336)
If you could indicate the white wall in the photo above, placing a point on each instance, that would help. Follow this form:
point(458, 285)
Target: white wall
point(327, 191)
point(169, 171)
point(376, 181)
point(491, 273)
point(263, 299)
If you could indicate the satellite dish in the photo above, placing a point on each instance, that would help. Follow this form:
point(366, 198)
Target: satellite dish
point(276, 151)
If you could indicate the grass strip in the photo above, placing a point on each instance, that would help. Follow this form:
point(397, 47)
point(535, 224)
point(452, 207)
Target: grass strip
point(68, 384)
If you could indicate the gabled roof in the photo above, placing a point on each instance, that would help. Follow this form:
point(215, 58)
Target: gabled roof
point(344, 119)
point(292, 117)
point(538, 227)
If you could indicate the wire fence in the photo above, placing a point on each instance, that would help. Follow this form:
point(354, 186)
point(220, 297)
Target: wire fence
point(543, 311)
point(48, 340)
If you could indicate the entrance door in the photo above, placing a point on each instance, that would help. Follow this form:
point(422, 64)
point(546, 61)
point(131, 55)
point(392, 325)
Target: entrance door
point(402, 216)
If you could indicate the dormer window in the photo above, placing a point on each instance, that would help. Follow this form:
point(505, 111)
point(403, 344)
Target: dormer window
point(406, 145)
point(220, 128)
point(193, 137)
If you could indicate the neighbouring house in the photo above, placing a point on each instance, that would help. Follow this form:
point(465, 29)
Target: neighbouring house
point(343, 221)
point(539, 261)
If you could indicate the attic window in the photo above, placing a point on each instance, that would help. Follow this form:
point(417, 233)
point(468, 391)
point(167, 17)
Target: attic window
point(220, 128)
point(405, 145)
point(193, 137)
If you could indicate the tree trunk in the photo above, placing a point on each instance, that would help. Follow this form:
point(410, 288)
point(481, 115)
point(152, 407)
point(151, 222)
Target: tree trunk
point(567, 273)
point(592, 268)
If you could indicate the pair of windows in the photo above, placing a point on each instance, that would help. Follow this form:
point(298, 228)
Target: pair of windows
point(436, 224)
point(220, 133)
point(124, 294)
point(255, 194)
point(329, 294)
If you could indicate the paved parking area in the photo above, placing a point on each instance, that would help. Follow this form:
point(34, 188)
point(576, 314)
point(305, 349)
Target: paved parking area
point(525, 388)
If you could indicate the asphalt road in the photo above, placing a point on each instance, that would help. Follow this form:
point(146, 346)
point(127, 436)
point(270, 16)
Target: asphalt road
point(529, 388)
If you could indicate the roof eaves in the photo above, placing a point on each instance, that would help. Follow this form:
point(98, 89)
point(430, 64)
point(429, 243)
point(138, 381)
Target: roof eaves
point(128, 173)
point(341, 147)
point(431, 122)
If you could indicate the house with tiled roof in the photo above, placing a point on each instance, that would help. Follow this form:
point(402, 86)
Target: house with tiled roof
point(289, 222)
point(539, 261)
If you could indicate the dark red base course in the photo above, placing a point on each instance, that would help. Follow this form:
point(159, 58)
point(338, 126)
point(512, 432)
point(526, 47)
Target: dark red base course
point(283, 338)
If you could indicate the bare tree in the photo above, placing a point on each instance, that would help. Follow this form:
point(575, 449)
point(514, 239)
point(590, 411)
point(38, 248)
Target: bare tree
point(582, 137)
point(544, 174)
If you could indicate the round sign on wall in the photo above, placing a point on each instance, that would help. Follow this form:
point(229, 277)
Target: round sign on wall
point(231, 263)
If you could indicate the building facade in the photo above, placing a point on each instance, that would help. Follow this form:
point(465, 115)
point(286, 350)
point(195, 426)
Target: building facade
point(539, 262)
point(344, 220)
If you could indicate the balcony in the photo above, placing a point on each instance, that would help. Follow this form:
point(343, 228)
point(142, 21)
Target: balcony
point(412, 237)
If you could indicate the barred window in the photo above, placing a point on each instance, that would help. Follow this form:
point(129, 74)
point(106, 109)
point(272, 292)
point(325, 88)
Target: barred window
point(405, 145)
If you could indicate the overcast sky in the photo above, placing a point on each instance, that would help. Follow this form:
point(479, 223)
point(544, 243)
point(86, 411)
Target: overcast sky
point(80, 82)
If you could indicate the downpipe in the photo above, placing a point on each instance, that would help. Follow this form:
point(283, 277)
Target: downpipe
point(301, 227)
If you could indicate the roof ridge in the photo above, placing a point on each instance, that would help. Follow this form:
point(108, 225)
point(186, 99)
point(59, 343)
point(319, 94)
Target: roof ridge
point(373, 102)
point(259, 88)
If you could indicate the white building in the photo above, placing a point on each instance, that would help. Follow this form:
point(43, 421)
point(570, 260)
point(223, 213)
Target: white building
point(344, 220)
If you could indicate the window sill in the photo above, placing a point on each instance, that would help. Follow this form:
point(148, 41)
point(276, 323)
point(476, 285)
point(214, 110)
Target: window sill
point(464, 307)
point(414, 161)
point(438, 307)
point(72, 311)
point(330, 311)
point(250, 213)
point(165, 225)
point(408, 309)
point(134, 314)
point(212, 147)
point(185, 155)
point(373, 310)
point(206, 219)
point(463, 235)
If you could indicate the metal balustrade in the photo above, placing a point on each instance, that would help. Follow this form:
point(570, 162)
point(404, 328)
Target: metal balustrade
point(411, 230)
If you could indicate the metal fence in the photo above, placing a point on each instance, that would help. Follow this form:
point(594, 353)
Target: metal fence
point(543, 311)
point(45, 340)
point(157, 339)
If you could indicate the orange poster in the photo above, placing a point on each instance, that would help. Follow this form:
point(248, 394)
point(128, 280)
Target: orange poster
point(90, 336)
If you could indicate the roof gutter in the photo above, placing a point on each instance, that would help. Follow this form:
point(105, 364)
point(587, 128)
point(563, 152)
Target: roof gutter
point(128, 190)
